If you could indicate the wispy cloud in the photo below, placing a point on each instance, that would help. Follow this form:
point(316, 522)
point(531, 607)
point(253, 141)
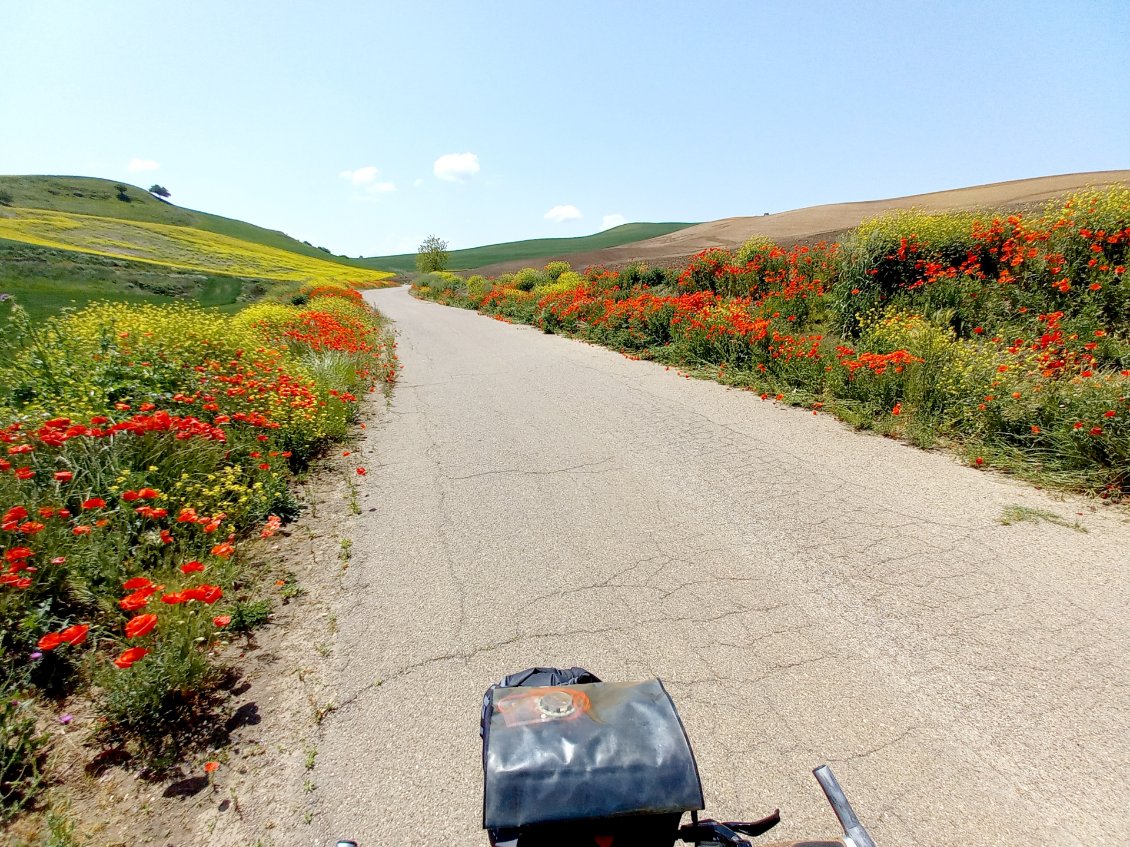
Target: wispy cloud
point(380, 187)
point(142, 165)
point(361, 176)
point(456, 167)
point(560, 214)
point(609, 221)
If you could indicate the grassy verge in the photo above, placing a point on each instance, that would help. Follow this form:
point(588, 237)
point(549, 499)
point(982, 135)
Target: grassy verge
point(141, 446)
point(1006, 338)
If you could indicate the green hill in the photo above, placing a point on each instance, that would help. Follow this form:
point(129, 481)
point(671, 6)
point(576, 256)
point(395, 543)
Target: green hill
point(537, 248)
point(87, 195)
point(68, 241)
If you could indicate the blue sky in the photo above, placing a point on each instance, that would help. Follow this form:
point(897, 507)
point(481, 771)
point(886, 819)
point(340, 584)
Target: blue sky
point(331, 120)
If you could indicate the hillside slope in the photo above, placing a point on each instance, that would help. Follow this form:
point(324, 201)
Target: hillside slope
point(86, 195)
point(827, 222)
point(537, 248)
point(176, 247)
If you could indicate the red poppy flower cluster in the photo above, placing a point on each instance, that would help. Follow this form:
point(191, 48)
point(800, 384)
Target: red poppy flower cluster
point(131, 489)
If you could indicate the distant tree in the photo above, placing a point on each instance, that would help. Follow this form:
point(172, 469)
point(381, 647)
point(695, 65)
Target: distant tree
point(159, 190)
point(122, 189)
point(432, 255)
point(5, 198)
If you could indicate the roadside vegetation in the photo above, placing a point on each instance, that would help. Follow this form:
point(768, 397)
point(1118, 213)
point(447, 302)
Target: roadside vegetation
point(142, 447)
point(1005, 337)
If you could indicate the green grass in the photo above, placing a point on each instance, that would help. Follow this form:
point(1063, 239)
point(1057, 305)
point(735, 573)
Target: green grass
point(1019, 514)
point(86, 195)
point(537, 248)
point(46, 281)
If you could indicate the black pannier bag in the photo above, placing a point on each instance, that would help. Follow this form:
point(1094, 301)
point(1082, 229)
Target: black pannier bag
point(565, 754)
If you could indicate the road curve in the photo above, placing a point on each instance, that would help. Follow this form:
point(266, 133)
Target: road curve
point(808, 594)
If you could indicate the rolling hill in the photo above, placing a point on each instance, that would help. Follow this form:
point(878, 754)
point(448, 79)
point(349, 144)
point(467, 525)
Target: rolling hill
point(86, 195)
point(83, 243)
point(537, 248)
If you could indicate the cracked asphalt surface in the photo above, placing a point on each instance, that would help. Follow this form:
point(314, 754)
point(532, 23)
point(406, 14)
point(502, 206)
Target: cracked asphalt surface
point(808, 594)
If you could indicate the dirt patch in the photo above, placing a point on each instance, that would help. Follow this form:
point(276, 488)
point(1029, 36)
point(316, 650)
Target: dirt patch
point(267, 731)
point(828, 222)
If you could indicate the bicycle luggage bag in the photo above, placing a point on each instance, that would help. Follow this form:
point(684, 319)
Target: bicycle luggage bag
point(566, 753)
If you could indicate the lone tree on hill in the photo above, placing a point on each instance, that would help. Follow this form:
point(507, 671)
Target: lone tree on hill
point(432, 255)
point(159, 190)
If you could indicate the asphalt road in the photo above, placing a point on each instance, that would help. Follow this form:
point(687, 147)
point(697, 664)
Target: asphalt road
point(808, 594)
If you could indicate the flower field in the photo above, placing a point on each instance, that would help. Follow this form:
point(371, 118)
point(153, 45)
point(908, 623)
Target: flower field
point(141, 447)
point(1005, 337)
point(180, 247)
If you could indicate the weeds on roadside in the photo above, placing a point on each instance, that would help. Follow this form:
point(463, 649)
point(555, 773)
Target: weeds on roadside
point(140, 446)
point(1019, 514)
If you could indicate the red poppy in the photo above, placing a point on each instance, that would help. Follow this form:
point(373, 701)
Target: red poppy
point(81, 530)
point(93, 503)
point(174, 598)
point(221, 620)
point(361, 472)
point(148, 493)
point(204, 593)
point(63, 476)
point(223, 550)
point(75, 635)
point(140, 625)
point(136, 582)
point(130, 496)
point(24, 473)
point(137, 600)
point(1096, 430)
point(15, 554)
point(210, 767)
point(50, 641)
point(128, 657)
point(979, 461)
point(192, 567)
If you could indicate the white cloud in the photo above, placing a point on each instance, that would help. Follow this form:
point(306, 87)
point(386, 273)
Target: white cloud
point(142, 165)
point(609, 221)
point(560, 214)
point(456, 167)
point(361, 176)
point(380, 187)
point(418, 183)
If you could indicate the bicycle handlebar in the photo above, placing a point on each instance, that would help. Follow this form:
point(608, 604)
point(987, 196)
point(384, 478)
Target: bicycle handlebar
point(853, 829)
